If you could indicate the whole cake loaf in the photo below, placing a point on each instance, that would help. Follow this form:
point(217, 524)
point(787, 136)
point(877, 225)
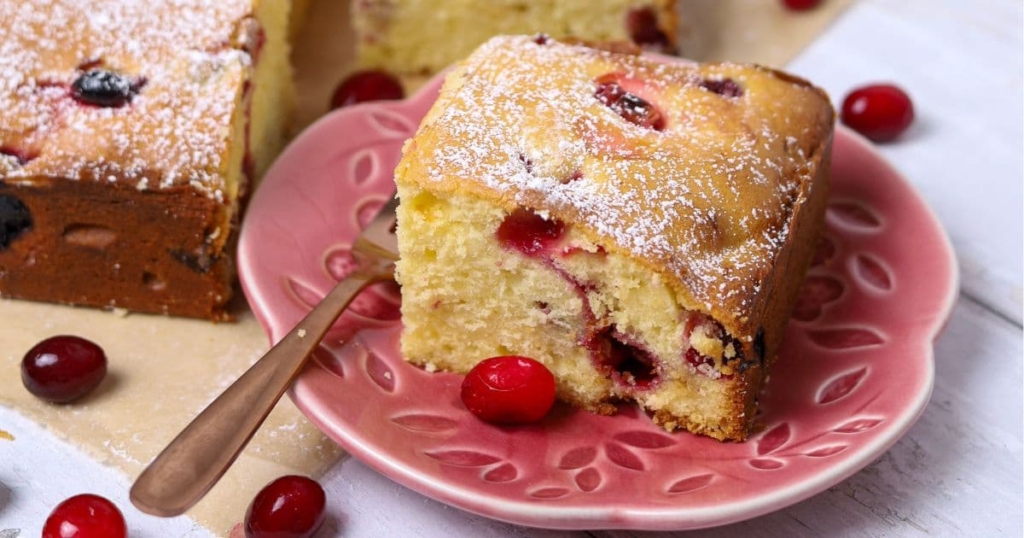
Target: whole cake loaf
point(130, 136)
point(642, 228)
point(423, 37)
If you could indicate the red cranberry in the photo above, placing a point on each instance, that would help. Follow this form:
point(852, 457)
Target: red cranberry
point(61, 369)
point(104, 88)
point(22, 156)
point(881, 112)
point(290, 507)
point(528, 232)
point(631, 107)
point(15, 218)
point(362, 86)
point(642, 25)
point(801, 5)
point(509, 390)
point(725, 87)
point(695, 358)
point(85, 516)
point(628, 363)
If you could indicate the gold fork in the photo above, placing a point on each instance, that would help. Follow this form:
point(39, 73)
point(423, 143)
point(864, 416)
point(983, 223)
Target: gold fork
point(198, 457)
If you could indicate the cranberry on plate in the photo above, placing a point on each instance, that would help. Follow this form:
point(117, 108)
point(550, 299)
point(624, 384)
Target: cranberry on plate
point(291, 506)
point(880, 112)
point(85, 516)
point(64, 368)
point(368, 85)
point(509, 390)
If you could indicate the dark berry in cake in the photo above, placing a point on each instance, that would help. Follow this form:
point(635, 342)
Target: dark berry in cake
point(528, 232)
point(62, 369)
point(725, 87)
point(15, 218)
point(881, 112)
point(104, 88)
point(631, 107)
point(369, 85)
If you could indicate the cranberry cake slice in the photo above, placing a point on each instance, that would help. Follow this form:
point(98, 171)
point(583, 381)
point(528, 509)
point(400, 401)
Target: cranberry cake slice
point(641, 228)
point(130, 135)
point(413, 37)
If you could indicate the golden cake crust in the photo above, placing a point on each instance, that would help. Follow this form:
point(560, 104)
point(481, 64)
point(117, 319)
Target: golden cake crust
point(709, 206)
point(191, 58)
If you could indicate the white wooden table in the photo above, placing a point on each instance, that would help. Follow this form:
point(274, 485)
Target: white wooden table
point(959, 469)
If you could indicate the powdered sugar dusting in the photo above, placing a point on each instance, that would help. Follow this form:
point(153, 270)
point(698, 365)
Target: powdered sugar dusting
point(191, 57)
point(709, 197)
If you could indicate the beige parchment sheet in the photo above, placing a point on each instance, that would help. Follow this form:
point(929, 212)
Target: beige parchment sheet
point(162, 371)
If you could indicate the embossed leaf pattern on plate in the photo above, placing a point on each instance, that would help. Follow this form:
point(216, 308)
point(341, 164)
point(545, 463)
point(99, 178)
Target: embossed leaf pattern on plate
point(846, 384)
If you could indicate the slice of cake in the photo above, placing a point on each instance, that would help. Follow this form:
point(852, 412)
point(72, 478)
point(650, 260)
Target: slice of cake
point(130, 136)
point(642, 228)
point(412, 37)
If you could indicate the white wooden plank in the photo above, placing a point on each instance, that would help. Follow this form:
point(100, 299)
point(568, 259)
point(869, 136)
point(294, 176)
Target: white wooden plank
point(961, 62)
point(38, 471)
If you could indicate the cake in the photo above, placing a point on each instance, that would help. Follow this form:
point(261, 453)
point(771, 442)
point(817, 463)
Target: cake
point(411, 37)
point(132, 133)
point(642, 228)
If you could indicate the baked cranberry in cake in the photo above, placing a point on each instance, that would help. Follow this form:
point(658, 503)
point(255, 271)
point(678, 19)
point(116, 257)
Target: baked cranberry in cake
point(23, 156)
point(630, 106)
point(726, 87)
point(528, 232)
point(15, 219)
point(104, 88)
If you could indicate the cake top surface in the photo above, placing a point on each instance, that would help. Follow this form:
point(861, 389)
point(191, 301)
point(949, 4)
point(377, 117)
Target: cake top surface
point(695, 172)
point(180, 65)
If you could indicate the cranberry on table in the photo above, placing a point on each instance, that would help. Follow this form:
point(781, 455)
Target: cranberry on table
point(289, 507)
point(62, 369)
point(363, 86)
point(880, 112)
point(509, 390)
point(801, 5)
point(85, 516)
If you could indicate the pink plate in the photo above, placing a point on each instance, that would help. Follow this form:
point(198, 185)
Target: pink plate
point(854, 372)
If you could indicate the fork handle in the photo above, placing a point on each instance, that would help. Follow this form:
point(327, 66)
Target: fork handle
point(199, 456)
